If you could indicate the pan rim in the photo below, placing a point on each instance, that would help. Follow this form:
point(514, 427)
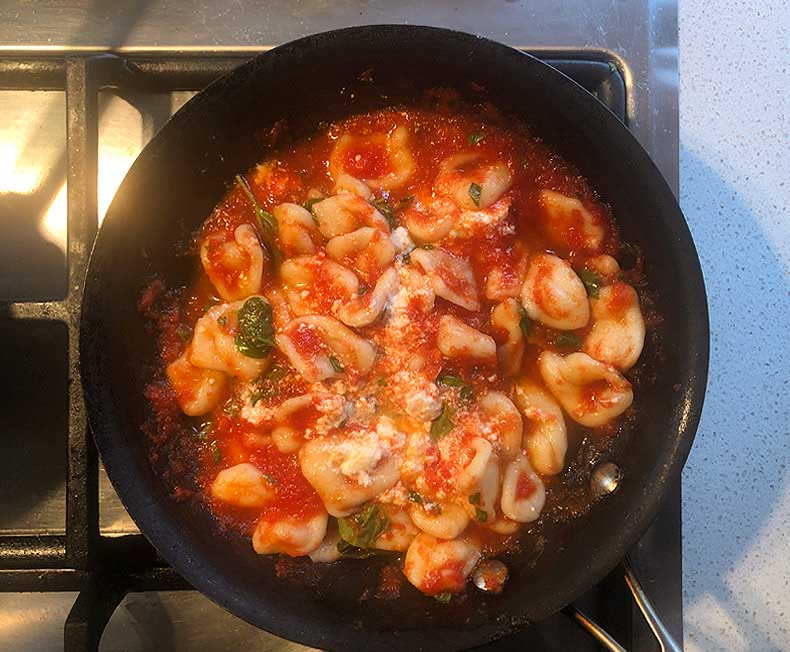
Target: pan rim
point(152, 518)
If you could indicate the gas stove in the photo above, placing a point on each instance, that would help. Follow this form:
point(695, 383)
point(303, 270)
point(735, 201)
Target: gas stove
point(82, 89)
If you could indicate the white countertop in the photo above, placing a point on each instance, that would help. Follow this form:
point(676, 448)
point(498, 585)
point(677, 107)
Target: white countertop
point(735, 192)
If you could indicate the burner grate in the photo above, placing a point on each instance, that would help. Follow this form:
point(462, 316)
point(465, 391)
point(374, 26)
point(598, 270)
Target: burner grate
point(104, 569)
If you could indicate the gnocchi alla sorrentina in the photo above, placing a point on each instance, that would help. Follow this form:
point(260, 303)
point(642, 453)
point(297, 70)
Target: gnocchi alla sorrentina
point(402, 330)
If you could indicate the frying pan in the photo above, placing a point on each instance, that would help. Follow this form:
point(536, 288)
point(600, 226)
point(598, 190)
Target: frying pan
point(185, 170)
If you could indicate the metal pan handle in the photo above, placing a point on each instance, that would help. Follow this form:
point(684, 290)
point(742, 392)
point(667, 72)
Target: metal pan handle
point(665, 640)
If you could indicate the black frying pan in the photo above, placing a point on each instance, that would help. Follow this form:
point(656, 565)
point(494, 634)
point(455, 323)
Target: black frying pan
point(186, 169)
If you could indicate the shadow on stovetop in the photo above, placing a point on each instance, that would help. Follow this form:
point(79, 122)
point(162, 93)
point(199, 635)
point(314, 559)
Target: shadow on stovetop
point(737, 477)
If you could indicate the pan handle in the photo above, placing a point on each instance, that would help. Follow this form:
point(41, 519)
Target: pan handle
point(665, 640)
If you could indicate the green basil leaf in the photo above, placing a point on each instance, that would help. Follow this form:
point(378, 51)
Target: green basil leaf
point(474, 193)
point(216, 454)
point(266, 221)
point(476, 499)
point(255, 336)
point(270, 478)
point(592, 282)
point(184, 333)
point(336, 364)
point(415, 497)
point(467, 391)
point(205, 429)
point(223, 321)
point(267, 387)
point(381, 205)
point(442, 425)
point(363, 289)
point(312, 202)
point(276, 373)
point(450, 380)
point(443, 597)
point(363, 528)
point(565, 340)
point(481, 515)
point(524, 322)
point(353, 552)
point(476, 137)
point(403, 203)
point(232, 407)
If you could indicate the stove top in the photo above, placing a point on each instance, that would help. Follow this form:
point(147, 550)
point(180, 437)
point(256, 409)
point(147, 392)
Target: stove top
point(69, 553)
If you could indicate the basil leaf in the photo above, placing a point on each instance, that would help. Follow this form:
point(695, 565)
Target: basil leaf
point(450, 380)
point(255, 337)
point(443, 597)
point(205, 429)
point(567, 341)
point(312, 202)
point(268, 387)
point(474, 193)
point(592, 282)
point(476, 137)
point(266, 221)
point(276, 373)
point(270, 478)
point(184, 333)
point(353, 552)
point(481, 515)
point(209, 306)
point(336, 364)
point(524, 322)
point(363, 528)
point(363, 290)
point(476, 499)
point(232, 407)
point(467, 391)
point(223, 321)
point(415, 497)
point(381, 205)
point(442, 424)
point(216, 454)
point(403, 203)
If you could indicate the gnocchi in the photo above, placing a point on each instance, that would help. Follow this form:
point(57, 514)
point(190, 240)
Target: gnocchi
point(470, 182)
point(568, 223)
point(234, 265)
point(242, 485)
point(451, 277)
point(436, 566)
point(554, 295)
point(214, 344)
point(198, 391)
point(290, 535)
point(546, 435)
point(394, 147)
point(591, 392)
point(618, 329)
point(404, 351)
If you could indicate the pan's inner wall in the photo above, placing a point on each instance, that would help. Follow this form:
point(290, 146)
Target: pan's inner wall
point(183, 173)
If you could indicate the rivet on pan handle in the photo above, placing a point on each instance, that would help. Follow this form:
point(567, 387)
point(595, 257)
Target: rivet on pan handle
point(665, 640)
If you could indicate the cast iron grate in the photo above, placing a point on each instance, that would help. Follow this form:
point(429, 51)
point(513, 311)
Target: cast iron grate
point(103, 569)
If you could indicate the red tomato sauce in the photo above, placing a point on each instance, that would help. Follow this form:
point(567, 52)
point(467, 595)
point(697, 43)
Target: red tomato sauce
point(296, 170)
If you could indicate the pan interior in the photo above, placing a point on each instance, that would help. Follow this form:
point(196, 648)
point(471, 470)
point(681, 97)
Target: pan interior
point(185, 170)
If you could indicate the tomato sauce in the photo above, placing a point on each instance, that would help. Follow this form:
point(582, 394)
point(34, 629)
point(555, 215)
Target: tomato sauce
point(189, 455)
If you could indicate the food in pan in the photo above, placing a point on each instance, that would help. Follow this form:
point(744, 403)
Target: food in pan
point(402, 331)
